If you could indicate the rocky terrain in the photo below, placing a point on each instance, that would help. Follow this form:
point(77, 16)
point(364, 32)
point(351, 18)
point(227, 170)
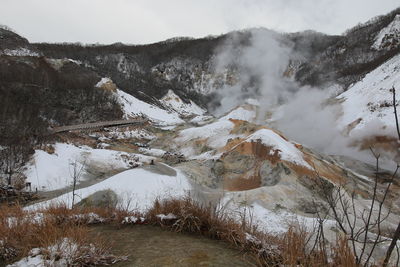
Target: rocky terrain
point(240, 155)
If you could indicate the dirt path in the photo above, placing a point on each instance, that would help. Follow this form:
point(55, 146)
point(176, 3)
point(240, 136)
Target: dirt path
point(88, 181)
point(159, 168)
point(151, 246)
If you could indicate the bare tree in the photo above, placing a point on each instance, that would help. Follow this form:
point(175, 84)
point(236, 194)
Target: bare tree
point(356, 224)
point(396, 234)
point(76, 173)
point(13, 156)
point(362, 226)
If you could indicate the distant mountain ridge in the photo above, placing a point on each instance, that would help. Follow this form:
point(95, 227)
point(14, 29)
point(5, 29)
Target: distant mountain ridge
point(65, 72)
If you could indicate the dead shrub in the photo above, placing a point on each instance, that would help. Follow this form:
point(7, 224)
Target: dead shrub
point(21, 231)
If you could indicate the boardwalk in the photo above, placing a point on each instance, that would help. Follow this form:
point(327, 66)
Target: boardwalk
point(99, 125)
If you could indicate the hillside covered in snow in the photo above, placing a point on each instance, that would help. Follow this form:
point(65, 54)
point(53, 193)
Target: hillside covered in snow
point(267, 128)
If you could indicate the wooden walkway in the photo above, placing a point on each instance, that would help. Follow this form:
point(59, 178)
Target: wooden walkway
point(99, 125)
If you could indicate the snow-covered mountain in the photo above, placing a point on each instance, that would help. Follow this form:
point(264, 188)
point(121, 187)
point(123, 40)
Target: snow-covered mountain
point(218, 114)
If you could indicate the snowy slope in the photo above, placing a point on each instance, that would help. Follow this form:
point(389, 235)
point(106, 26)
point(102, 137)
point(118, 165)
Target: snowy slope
point(388, 35)
point(175, 103)
point(103, 81)
point(133, 107)
point(370, 99)
point(216, 133)
point(20, 52)
point(240, 113)
point(53, 171)
point(286, 150)
point(268, 221)
point(139, 187)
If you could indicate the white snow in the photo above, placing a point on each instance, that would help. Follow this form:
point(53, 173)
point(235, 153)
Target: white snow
point(52, 171)
point(166, 128)
point(252, 101)
point(370, 99)
point(205, 156)
point(201, 120)
point(20, 52)
point(58, 63)
point(278, 222)
point(286, 150)
point(217, 133)
point(392, 31)
point(130, 220)
point(103, 81)
point(175, 103)
point(88, 218)
point(152, 151)
point(60, 254)
point(240, 113)
point(134, 107)
point(115, 133)
point(137, 188)
point(169, 216)
point(266, 220)
point(30, 261)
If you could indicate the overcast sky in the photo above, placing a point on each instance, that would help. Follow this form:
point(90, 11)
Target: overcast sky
point(147, 21)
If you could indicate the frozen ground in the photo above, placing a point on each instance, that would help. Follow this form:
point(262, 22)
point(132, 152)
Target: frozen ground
point(134, 107)
point(136, 188)
point(48, 172)
point(371, 99)
point(175, 103)
point(285, 149)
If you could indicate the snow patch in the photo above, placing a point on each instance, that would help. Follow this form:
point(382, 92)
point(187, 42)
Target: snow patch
point(175, 103)
point(60, 254)
point(20, 52)
point(388, 35)
point(152, 151)
point(115, 133)
point(216, 134)
point(201, 120)
point(103, 81)
point(240, 113)
point(266, 220)
point(252, 101)
point(371, 99)
point(286, 150)
point(52, 171)
point(169, 216)
point(134, 107)
point(137, 188)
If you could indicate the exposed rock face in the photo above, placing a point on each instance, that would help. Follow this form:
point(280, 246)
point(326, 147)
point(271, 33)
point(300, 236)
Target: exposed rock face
point(272, 175)
point(188, 66)
point(104, 199)
point(107, 84)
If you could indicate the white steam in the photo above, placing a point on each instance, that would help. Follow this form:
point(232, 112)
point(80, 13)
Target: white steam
point(306, 115)
point(259, 68)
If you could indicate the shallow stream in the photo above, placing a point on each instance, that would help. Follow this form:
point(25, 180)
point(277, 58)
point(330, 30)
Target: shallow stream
point(152, 246)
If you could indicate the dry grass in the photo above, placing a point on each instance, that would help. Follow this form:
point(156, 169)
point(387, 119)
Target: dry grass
point(20, 233)
point(289, 249)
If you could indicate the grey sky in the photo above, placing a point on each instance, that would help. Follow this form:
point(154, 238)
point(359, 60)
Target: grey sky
point(141, 21)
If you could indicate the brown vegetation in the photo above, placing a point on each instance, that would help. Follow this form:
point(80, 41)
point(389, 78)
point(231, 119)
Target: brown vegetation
point(293, 248)
point(21, 232)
